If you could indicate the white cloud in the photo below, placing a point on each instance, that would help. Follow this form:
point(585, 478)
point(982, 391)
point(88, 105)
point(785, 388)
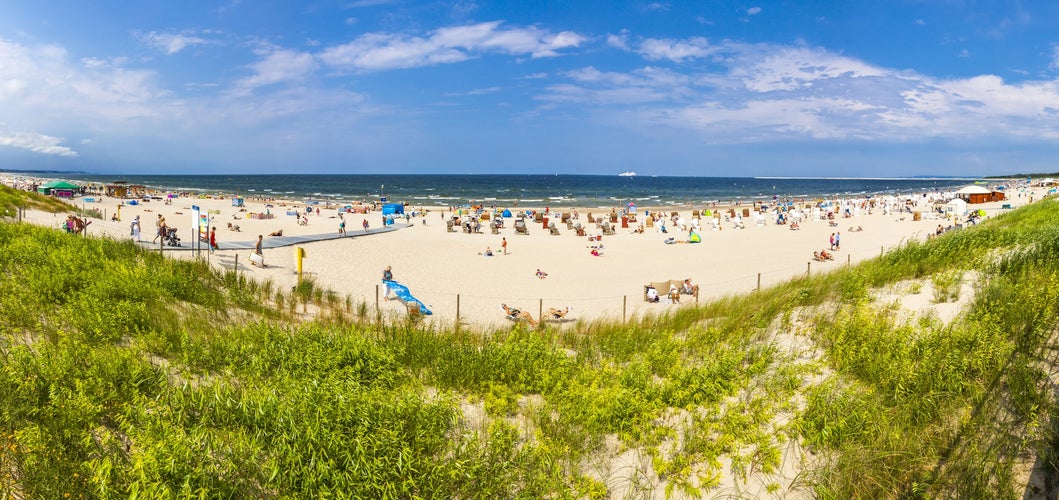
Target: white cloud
point(375, 51)
point(750, 93)
point(675, 50)
point(1054, 64)
point(279, 66)
point(753, 11)
point(771, 68)
point(37, 143)
point(171, 43)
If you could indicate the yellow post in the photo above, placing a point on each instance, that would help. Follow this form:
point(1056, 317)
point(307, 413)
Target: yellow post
point(299, 254)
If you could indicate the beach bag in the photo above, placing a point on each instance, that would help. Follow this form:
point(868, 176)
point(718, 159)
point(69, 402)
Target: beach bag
point(257, 259)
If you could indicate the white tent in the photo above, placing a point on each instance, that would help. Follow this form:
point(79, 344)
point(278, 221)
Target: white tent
point(956, 206)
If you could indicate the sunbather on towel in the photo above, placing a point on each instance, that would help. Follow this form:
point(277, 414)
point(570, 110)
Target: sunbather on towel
point(514, 314)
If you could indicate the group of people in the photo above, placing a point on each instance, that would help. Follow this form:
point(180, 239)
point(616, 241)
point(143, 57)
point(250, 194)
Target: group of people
point(75, 224)
point(686, 288)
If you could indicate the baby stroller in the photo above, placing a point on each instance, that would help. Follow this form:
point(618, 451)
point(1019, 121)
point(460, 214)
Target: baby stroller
point(171, 238)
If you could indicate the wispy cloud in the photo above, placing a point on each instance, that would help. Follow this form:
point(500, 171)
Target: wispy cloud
point(37, 143)
point(171, 43)
point(663, 48)
point(279, 66)
point(379, 51)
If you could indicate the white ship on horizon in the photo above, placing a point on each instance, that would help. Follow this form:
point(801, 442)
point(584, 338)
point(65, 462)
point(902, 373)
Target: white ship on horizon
point(628, 173)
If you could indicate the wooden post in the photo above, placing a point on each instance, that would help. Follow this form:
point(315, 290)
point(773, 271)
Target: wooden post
point(880, 250)
point(849, 259)
point(457, 310)
point(235, 264)
point(624, 305)
point(759, 282)
point(376, 298)
point(808, 266)
point(540, 309)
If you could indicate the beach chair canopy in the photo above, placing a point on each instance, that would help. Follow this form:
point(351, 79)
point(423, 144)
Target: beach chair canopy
point(506, 213)
point(393, 208)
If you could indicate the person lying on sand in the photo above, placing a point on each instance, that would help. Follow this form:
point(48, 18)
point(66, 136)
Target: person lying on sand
point(541, 274)
point(855, 229)
point(233, 227)
point(514, 314)
point(278, 232)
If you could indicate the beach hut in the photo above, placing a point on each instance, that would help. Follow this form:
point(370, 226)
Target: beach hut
point(956, 207)
point(977, 194)
point(62, 189)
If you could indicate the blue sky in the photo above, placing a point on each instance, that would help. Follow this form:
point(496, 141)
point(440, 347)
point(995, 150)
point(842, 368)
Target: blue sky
point(718, 88)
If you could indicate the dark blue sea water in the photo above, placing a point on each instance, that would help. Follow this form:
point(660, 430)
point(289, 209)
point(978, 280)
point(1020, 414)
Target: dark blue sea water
point(525, 190)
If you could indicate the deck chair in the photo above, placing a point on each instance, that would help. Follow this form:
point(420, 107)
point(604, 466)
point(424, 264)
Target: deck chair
point(538, 217)
point(493, 229)
point(552, 229)
point(608, 230)
point(520, 227)
point(448, 226)
point(580, 230)
point(649, 222)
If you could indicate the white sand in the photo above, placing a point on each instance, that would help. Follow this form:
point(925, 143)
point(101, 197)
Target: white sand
point(440, 267)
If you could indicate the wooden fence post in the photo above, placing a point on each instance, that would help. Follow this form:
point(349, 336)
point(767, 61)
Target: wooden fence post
point(457, 310)
point(376, 298)
point(759, 282)
point(540, 309)
point(808, 267)
point(624, 306)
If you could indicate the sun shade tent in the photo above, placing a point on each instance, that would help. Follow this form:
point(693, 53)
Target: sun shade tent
point(393, 209)
point(956, 207)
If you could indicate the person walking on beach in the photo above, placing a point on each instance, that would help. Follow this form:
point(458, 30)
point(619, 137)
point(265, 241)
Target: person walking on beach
point(257, 250)
point(135, 229)
point(365, 224)
point(832, 241)
point(159, 227)
point(387, 277)
point(503, 245)
point(342, 228)
point(838, 245)
point(213, 239)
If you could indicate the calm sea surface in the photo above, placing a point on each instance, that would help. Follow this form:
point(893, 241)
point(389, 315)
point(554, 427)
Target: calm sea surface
point(528, 190)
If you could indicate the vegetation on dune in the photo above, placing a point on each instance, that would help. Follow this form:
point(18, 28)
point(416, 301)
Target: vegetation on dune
point(126, 374)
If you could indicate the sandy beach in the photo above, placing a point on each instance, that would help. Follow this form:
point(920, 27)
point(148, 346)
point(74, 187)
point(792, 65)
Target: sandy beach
point(447, 271)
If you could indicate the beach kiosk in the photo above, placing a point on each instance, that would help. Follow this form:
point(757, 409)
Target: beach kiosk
point(61, 189)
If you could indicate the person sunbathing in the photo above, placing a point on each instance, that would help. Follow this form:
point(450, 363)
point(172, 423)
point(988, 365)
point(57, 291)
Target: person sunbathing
point(652, 294)
point(233, 227)
point(278, 232)
point(817, 257)
point(674, 294)
point(556, 314)
point(826, 256)
point(690, 288)
point(514, 314)
point(541, 274)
